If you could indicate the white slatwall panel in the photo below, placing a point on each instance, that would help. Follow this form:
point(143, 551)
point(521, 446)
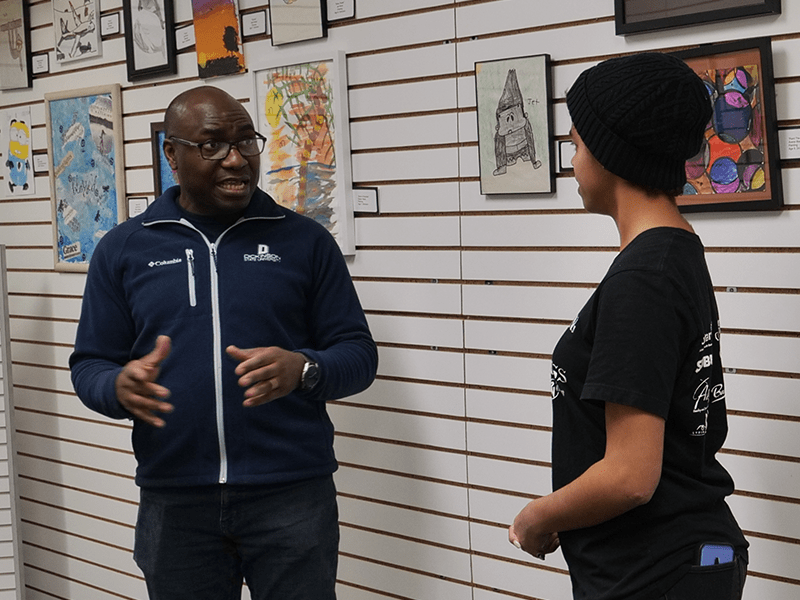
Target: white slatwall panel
point(466, 295)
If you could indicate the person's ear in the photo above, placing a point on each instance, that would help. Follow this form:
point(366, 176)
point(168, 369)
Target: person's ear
point(169, 152)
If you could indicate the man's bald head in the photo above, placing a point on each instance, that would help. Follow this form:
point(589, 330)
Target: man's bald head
point(182, 108)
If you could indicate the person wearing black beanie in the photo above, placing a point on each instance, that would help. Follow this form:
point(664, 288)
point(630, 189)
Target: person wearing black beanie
point(639, 414)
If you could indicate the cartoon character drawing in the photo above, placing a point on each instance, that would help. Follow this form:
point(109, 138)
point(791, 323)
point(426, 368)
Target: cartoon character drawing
point(18, 152)
point(513, 138)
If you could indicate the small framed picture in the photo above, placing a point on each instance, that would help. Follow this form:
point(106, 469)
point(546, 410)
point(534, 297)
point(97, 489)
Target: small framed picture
point(15, 45)
point(76, 26)
point(218, 41)
point(515, 126)
point(297, 21)
point(738, 165)
point(638, 16)
point(149, 38)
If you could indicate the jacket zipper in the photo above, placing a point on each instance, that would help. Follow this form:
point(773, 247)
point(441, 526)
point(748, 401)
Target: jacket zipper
point(217, 331)
point(190, 270)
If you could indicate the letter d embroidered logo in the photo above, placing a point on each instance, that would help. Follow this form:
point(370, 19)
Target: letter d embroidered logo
point(263, 249)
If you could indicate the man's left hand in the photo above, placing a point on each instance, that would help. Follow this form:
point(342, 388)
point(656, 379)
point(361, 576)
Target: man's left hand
point(267, 373)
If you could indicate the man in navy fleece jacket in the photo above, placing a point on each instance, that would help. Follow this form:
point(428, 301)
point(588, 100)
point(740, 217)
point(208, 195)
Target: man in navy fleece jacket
point(221, 323)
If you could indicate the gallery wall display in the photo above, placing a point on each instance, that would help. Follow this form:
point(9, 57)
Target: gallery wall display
point(217, 38)
point(515, 125)
point(87, 177)
point(303, 112)
point(163, 175)
point(15, 140)
point(15, 55)
point(738, 166)
point(639, 16)
point(149, 38)
point(297, 20)
point(76, 26)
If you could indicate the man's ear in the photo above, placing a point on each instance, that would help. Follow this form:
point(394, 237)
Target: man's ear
point(169, 152)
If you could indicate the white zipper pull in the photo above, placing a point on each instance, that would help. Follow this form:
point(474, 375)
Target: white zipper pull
point(190, 270)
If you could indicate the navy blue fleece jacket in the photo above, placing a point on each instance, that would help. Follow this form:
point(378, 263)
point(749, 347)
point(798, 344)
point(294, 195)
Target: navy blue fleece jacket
point(274, 278)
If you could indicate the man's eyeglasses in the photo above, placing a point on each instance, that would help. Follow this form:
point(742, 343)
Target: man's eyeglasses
point(216, 150)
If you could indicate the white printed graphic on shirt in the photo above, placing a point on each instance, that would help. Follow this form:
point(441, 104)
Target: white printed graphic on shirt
point(706, 393)
point(558, 377)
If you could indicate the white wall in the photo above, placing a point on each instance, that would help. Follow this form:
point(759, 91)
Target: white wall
point(443, 450)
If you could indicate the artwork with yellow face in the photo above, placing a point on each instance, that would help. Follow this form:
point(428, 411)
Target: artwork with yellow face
point(15, 138)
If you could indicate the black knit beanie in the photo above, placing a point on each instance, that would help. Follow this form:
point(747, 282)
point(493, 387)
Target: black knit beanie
point(641, 117)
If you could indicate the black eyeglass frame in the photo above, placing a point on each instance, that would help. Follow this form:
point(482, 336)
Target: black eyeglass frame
point(200, 145)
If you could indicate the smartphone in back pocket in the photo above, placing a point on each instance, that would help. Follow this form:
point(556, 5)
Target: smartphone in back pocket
point(715, 554)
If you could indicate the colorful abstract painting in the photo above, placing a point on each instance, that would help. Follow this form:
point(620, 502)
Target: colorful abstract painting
point(86, 178)
point(217, 38)
point(733, 156)
point(305, 166)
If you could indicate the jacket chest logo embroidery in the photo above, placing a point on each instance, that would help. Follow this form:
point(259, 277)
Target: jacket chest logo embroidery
point(262, 255)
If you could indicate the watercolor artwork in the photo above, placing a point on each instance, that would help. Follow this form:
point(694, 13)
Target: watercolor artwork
point(217, 38)
point(84, 130)
point(302, 112)
point(15, 139)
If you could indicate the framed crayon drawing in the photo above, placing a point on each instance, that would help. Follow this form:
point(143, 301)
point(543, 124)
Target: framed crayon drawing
point(302, 110)
point(87, 176)
point(515, 127)
point(738, 166)
point(639, 16)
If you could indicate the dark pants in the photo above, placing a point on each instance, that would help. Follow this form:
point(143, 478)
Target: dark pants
point(717, 582)
point(200, 543)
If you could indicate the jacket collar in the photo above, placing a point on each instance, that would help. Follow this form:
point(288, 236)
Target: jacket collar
point(165, 208)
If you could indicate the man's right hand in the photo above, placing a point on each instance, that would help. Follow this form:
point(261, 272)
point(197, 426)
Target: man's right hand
point(137, 391)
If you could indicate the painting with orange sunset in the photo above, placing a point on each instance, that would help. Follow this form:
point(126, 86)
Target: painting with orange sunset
point(217, 38)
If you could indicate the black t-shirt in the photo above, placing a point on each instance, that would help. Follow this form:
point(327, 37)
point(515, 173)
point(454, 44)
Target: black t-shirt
point(648, 338)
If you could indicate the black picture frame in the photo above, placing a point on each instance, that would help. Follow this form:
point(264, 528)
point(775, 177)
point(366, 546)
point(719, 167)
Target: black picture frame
point(145, 40)
point(633, 16)
point(738, 167)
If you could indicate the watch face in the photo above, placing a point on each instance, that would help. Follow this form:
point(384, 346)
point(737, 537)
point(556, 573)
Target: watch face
point(310, 375)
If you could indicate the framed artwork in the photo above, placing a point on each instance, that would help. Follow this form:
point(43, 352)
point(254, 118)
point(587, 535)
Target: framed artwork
point(638, 16)
point(297, 20)
point(738, 165)
point(515, 125)
point(76, 25)
point(149, 38)
point(15, 44)
point(87, 176)
point(217, 38)
point(302, 110)
point(163, 175)
point(15, 139)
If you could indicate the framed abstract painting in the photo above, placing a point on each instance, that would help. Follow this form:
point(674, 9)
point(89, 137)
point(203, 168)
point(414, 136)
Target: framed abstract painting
point(515, 126)
point(738, 165)
point(87, 176)
point(302, 110)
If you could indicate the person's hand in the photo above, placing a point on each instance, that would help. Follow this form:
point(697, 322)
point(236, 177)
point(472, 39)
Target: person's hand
point(267, 373)
point(525, 534)
point(137, 390)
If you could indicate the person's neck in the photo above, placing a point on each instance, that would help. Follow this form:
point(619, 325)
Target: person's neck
point(638, 211)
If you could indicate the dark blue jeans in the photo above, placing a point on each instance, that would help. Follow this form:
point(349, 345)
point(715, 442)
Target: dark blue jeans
point(200, 543)
point(717, 582)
